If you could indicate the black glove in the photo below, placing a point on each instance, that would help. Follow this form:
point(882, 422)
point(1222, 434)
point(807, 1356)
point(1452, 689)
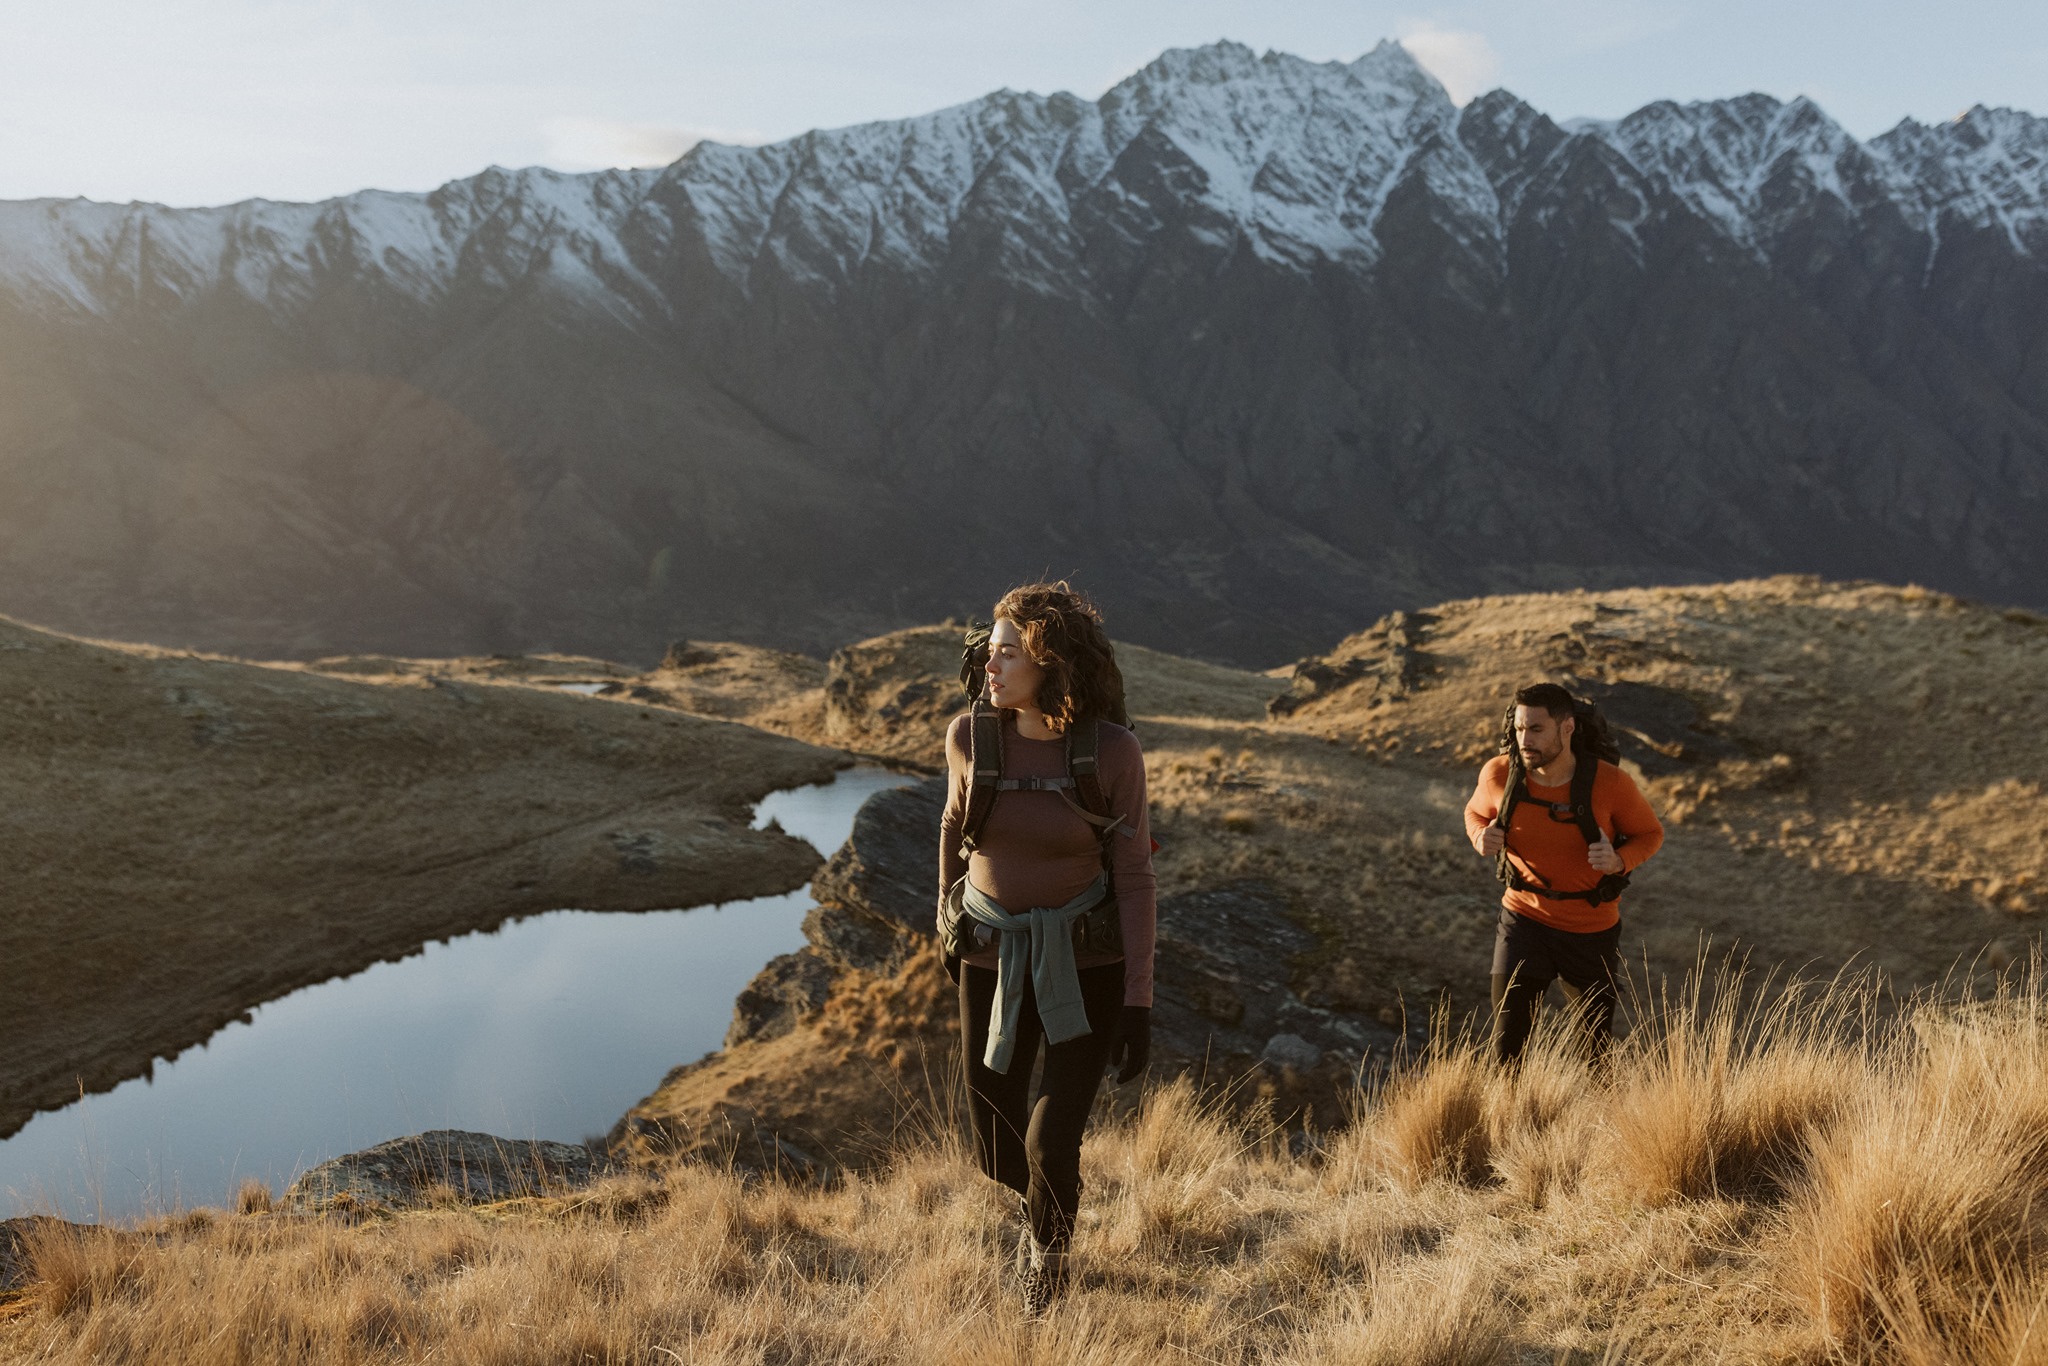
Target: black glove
point(1130, 1048)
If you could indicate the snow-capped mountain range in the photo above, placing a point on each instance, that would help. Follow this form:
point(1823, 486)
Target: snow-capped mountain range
point(1294, 159)
point(1257, 346)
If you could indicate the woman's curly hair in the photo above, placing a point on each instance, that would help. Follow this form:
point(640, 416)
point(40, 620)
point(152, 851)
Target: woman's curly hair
point(1062, 632)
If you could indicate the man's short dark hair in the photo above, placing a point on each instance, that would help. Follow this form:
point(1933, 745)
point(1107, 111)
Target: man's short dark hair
point(1548, 696)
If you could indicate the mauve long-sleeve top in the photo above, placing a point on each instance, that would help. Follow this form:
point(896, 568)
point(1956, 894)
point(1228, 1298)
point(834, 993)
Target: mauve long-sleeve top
point(1036, 850)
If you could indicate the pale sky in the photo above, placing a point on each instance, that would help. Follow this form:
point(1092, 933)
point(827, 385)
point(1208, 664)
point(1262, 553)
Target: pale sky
point(210, 101)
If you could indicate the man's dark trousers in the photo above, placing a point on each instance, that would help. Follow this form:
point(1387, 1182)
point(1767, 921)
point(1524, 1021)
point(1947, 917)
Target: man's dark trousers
point(1528, 955)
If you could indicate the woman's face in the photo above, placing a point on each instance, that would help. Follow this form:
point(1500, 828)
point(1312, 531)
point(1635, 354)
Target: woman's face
point(1013, 676)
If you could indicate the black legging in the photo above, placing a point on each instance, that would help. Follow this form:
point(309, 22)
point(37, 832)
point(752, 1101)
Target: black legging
point(1035, 1149)
point(1527, 955)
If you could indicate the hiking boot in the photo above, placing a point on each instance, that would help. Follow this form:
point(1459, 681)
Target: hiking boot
point(1041, 1273)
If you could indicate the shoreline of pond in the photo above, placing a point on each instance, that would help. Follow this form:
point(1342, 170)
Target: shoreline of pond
point(540, 992)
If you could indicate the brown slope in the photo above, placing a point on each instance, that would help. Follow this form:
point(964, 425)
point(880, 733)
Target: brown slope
point(1847, 774)
point(1857, 775)
point(187, 837)
point(893, 696)
point(768, 689)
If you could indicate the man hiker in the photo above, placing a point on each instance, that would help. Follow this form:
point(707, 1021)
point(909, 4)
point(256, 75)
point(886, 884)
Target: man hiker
point(1565, 827)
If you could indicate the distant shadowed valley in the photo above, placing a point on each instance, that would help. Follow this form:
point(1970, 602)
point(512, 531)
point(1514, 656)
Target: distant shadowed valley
point(1256, 348)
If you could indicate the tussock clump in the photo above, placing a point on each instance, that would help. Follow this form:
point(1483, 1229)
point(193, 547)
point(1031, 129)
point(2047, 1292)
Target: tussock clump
point(1192, 1175)
point(1924, 1221)
point(254, 1197)
point(1722, 1095)
point(1348, 1240)
point(1907, 1205)
point(1443, 1315)
point(82, 1268)
point(1540, 1117)
point(1432, 1120)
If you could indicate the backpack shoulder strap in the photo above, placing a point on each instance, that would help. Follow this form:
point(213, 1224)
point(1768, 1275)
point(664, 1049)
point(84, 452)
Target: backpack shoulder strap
point(1084, 750)
point(1582, 797)
point(1512, 793)
point(1509, 797)
point(1610, 885)
point(1084, 745)
point(985, 771)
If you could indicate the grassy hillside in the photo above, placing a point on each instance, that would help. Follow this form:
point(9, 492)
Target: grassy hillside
point(187, 837)
point(1848, 777)
point(1790, 1187)
point(1851, 785)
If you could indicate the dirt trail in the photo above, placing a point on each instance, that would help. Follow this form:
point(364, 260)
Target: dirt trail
point(186, 837)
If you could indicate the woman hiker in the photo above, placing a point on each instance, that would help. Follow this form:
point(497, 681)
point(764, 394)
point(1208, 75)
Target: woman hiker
point(1046, 915)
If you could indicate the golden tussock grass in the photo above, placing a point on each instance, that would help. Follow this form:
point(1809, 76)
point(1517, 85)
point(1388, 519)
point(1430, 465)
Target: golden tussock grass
point(1749, 1177)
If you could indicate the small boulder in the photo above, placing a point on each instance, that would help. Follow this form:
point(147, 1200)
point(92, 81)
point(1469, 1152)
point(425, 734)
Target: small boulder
point(684, 654)
point(789, 990)
point(1291, 1051)
point(437, 1166)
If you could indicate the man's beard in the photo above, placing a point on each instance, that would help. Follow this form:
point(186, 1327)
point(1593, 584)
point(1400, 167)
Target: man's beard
point(1536, 758)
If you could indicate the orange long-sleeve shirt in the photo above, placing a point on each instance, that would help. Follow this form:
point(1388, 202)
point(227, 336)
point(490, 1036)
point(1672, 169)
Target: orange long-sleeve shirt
point(1553, 852)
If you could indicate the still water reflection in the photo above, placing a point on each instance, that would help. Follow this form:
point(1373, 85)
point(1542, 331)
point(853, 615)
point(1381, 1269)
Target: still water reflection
point(548, 1027)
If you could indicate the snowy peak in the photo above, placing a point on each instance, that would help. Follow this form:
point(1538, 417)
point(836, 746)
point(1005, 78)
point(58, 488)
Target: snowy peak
point(1511, 142)
point(1747, 165)
point(98, 256)
point(1300, 156)
point(1392, 68)
point(1293, 157)
point(1986, 169)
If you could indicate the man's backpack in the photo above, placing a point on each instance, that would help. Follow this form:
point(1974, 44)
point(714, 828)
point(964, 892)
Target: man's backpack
point(1592, 742)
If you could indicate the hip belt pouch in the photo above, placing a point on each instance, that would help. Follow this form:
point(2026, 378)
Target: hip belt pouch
point(1097, 930)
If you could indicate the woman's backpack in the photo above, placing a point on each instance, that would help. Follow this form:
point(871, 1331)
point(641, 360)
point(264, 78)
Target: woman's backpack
point(1080, 786)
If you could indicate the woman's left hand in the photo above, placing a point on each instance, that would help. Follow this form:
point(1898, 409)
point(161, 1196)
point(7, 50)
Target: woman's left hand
point(1131, 1050)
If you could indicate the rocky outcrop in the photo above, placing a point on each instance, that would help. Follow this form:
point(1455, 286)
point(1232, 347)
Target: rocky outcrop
point(1223, 999)
point(887, 870)
point(440, 1166)
point(838, 1049)
point(876, 906)
point(1226, 955)
point(1386, 660)
point(892, 696)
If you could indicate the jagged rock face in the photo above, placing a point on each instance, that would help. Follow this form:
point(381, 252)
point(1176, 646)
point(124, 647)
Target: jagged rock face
point(893, 697)
point(1256, 347)
point(877, 906)
point(1226, 954)
point(1223, 1000)
point(887, 870)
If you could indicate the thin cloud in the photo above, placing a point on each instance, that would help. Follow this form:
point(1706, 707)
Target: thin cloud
point(1461, 58)
point(580, 144)
point(1599, 25)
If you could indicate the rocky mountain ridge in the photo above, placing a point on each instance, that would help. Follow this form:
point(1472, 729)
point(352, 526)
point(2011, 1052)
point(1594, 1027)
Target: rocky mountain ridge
point(1256, 346)
point(1298, 158)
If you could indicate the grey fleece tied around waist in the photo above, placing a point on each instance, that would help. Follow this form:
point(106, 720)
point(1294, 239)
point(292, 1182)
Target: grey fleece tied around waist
point(1042, 940)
